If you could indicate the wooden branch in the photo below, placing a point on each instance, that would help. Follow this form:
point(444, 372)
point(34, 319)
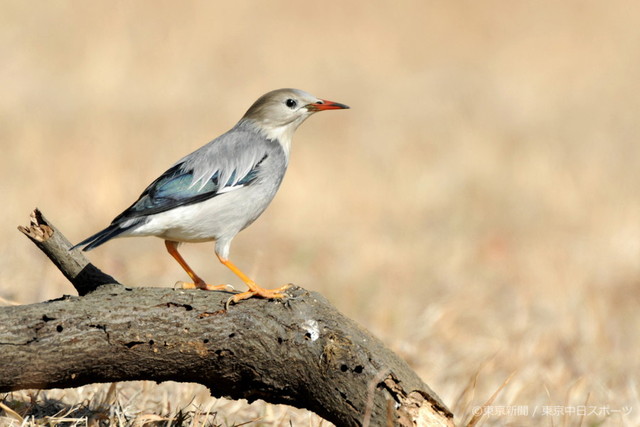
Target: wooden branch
point(300, 352)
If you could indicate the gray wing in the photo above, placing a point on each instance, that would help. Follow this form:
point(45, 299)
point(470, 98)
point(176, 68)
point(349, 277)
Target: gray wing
point(227, 163)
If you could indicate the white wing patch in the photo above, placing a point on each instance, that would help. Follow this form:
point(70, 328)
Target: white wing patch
point(230, 188)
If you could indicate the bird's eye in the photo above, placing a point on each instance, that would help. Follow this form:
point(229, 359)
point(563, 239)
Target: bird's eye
point(291, 103)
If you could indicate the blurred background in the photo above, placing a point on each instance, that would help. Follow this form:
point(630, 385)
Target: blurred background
point(478, 208)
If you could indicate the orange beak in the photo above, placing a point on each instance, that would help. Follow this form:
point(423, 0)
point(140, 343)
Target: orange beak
point(323, 104)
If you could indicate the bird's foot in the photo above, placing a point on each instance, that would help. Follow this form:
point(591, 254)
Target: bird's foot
point(204, 286)
point(259, 292)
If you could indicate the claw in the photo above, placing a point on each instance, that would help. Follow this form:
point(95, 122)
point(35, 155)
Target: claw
point(183, 285)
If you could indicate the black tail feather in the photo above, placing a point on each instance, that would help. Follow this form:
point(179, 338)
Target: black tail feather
point(114, 230)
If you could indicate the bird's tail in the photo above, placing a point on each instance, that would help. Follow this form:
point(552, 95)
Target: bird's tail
point(114, 230)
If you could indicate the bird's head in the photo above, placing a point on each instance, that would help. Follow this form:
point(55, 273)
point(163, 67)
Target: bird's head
point(278, 114)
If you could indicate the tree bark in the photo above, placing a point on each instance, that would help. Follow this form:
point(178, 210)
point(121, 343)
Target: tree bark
point(300, 351)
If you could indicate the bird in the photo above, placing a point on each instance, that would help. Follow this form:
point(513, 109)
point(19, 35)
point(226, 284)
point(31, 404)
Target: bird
point(221, 188)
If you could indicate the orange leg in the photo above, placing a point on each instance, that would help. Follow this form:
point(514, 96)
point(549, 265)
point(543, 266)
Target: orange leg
point(254, 290)
point(172, 248)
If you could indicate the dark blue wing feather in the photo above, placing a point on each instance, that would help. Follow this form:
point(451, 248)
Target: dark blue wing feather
point(176, 188)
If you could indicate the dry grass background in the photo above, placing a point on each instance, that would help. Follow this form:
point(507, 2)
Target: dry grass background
point(478, 208)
